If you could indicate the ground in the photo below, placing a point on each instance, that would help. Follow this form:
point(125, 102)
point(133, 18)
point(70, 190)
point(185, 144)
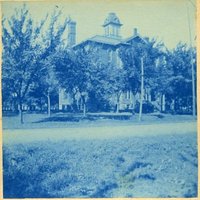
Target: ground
point(65, 120)
point(155, 158)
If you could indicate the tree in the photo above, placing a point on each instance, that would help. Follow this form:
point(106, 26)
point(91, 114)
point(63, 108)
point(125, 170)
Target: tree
point(116, 83)
point(52, 44)
point(140, 56)
point(107, 83)
point(83, 79)
point(27, 55)
point(73, 72)
point(131, 66)
point(65, 68)
point(162, 77)
point(180, 82)
point(100, 80)
point(21, 55)
point(87, 78)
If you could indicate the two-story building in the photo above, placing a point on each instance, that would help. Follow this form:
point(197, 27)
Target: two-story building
point(109, 44)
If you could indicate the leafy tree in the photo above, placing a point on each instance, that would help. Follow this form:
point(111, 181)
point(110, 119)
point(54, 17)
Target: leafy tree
point(66, 70)
point(99, 93)
point(138, 56)
point(52, 44)
point(73, 73)
point(180, 82)
point(87, 78)
point(116, 82)
point(162, 76)
point(101, 80)
point(28, 54)
point(107, 85)
point(86, 62)
point(21, 55)
point(131, 65)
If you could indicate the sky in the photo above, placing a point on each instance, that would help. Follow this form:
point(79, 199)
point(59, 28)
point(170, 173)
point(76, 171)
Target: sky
point(166, 20)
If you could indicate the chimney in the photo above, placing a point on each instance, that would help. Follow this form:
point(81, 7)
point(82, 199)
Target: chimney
point(71, 32)
point(135, 32)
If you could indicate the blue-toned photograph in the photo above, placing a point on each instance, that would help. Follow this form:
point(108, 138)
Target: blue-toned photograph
point(99, 99)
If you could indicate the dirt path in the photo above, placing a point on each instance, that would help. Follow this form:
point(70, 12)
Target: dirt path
point(32, 135)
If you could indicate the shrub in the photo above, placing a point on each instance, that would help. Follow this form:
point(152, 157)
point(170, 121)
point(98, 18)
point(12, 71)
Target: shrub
point(147, 107)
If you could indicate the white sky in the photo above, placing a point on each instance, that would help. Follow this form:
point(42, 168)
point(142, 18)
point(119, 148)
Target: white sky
point(164, 19)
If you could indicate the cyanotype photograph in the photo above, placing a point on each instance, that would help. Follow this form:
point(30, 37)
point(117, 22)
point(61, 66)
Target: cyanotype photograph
point(99, 99)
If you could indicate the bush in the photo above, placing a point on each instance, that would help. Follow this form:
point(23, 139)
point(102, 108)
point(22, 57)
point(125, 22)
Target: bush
point(147, 107)
point(97, 103)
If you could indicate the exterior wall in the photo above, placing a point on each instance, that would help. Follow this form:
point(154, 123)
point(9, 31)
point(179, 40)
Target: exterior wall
point(105, 54)
point(64, 99)
point(108, 54)
point(128, 100)
point(119, 63)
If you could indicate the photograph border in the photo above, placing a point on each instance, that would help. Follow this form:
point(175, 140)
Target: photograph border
point(198, 100)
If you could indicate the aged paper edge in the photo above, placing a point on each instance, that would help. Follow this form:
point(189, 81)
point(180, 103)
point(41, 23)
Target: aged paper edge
point(198, 100)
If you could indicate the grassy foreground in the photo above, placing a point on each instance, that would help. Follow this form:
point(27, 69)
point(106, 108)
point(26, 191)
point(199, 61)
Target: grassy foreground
point(150, 166)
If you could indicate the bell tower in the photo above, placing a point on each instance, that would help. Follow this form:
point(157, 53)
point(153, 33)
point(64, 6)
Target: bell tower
point(112, 26)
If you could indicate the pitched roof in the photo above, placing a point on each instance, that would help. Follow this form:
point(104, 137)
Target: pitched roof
point(104, 40)
point(136, 38)
point(111, 40)
point(112, 19)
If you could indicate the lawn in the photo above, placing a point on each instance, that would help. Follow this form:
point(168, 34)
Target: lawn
point(130, 166)
point(46, 158)
point(62, 120)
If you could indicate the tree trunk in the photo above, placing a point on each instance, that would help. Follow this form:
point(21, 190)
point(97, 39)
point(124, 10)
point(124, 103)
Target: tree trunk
point(117, 109)
point(83, 98)
point(134, 102)
point(142, 89)
point(21, 113)
point(172, 106)
point(48, 105)
point(40, 104)
point(84, 109)
point(161, 103)
point(78, 106)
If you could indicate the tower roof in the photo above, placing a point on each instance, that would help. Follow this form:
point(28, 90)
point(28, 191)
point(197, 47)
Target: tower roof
point(112, 19)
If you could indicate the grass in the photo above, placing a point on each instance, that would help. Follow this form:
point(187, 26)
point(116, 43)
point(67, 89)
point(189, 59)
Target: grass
point(151, 166)
point(61, 120)
point(101, 157)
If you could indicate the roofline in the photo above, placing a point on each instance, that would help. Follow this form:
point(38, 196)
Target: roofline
point(122, 42)
point(132, 37)
point(90, 40)
point(119, 24)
